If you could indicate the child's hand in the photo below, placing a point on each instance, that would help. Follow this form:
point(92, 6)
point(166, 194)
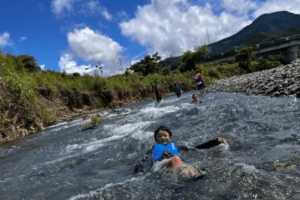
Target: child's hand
point(222, 140)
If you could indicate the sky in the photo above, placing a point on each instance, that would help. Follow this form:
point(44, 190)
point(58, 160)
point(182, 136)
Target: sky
point(76, 35)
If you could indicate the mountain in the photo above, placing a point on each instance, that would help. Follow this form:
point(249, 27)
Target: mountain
point(267, 26)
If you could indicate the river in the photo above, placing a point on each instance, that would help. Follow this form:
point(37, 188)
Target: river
point(261, 160)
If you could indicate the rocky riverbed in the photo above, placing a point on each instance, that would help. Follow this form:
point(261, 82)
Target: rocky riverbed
point(280, 81)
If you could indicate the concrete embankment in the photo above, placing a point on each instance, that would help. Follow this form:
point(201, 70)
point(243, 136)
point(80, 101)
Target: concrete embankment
point(280, 81)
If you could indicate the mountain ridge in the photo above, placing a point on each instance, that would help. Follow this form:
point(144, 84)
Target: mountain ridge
point(272, 23)
point(266, 27)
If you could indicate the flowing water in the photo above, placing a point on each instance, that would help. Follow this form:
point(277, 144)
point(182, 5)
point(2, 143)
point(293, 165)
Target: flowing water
point(260, 162)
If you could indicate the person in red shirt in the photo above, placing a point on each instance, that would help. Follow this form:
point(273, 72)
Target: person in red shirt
point(158, 93)
point(195, 99)
point(199, 81)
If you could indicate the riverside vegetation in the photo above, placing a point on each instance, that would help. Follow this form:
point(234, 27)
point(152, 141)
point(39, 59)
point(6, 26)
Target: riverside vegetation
point(31, 100)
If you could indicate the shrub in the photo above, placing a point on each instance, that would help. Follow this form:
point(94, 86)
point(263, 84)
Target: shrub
point(76, 74)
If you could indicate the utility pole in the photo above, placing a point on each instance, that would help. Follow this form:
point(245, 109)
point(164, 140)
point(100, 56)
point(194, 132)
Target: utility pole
point(121, 65)
point(114, 66)
point(207, 37)
point(209, 48)
point(277, 25)
point(100, 67)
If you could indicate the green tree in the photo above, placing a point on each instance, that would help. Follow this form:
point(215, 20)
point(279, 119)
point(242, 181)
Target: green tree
point(165, 71)
point(262, 64)
point(189, 59)
point(147, 65)
point(244, 57)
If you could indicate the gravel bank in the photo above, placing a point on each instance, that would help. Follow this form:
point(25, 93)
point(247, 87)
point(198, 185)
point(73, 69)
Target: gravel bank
point(281, 81)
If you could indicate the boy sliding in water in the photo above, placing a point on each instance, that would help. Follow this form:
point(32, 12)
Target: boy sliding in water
point(166, 154)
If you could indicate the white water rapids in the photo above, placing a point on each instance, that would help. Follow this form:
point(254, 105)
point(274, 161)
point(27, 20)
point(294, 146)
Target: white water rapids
point(260, 162)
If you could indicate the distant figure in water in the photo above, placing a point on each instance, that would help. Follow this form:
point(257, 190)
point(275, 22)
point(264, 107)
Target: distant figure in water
point(177, 90)
point(195, 99)
point(166, 153)
point(199, 80)
point(158, 93)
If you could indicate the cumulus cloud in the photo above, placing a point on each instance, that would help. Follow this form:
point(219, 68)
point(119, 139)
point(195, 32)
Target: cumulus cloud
point(239, 6)
point(23, 38)
point(92, 46)
point(270, 6)
point(171, 27)
point(5, 40)
point(89, 8)
point(68, 65)
point(42, 67)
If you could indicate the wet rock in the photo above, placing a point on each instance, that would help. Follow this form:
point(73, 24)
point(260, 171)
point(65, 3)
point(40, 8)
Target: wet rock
point(284, 167)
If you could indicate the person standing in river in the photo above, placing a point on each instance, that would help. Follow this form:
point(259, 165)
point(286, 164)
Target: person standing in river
point(177, 89)
point(158, 93)
point(199, 80)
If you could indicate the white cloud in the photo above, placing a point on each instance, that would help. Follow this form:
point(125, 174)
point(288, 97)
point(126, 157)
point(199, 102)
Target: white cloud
point(90, 8)
point(106, 14)
point(5, 40)
point(239, 6)
point(68, 65)
point(171, 27)
point(60, 6)
point(123, 15)
point(42, 67)
point(23, 39)
point(270, 6)
point(92, 46)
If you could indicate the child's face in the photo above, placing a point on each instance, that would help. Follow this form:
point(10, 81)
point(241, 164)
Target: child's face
point(162, 137)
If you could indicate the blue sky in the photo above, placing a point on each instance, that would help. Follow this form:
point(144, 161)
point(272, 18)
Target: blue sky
point(73, 35)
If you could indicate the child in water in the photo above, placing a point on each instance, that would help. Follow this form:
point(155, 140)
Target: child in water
point(195, 99)
point(166, 153)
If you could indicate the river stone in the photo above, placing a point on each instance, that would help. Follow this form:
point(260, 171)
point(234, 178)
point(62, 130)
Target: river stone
point(284, 167)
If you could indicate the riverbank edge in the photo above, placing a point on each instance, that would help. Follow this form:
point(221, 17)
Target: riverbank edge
point(67, 105)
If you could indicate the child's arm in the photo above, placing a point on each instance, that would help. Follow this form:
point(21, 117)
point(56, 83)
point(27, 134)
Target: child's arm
point(211, 143)
point(185, 148)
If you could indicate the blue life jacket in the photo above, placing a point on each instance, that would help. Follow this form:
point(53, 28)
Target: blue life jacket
point(177, 89)
point(159, 149)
